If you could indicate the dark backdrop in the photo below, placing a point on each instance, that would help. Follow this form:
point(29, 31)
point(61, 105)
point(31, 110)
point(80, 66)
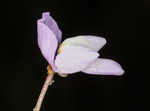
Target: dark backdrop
point(23, 68)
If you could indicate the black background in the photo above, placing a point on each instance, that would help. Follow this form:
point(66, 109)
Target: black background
point(23, 68)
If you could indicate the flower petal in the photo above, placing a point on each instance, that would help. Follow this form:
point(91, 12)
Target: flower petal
point(47, 42)
point(104, 67)
point(74, 59)
point(93, 42)
point(52, 25)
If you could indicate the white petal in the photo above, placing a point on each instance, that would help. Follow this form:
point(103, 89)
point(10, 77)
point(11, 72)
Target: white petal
point(104, 67)
point(74, 58)
point(93, 42)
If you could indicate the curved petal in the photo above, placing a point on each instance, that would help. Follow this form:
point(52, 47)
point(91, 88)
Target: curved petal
point(104, 67)
point(47, 42)
point(52, 25)
point(74, 59)
point(93, 42)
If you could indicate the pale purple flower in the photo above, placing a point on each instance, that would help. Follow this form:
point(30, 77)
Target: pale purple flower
point(76, 54)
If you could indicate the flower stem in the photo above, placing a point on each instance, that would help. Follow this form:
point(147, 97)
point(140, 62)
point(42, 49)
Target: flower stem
point(47, 82)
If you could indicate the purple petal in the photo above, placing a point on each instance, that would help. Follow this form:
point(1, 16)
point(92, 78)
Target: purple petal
point(52, 25)
point(104, 67)
point(47, 38)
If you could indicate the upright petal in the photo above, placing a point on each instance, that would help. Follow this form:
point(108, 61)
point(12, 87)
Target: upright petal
point(47, 42)
point(104, 67)
point(74, 59)
point(93, 42)
point(52, 25)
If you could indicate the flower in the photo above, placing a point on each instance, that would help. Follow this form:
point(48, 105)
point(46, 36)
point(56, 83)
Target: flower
point(74, 54)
